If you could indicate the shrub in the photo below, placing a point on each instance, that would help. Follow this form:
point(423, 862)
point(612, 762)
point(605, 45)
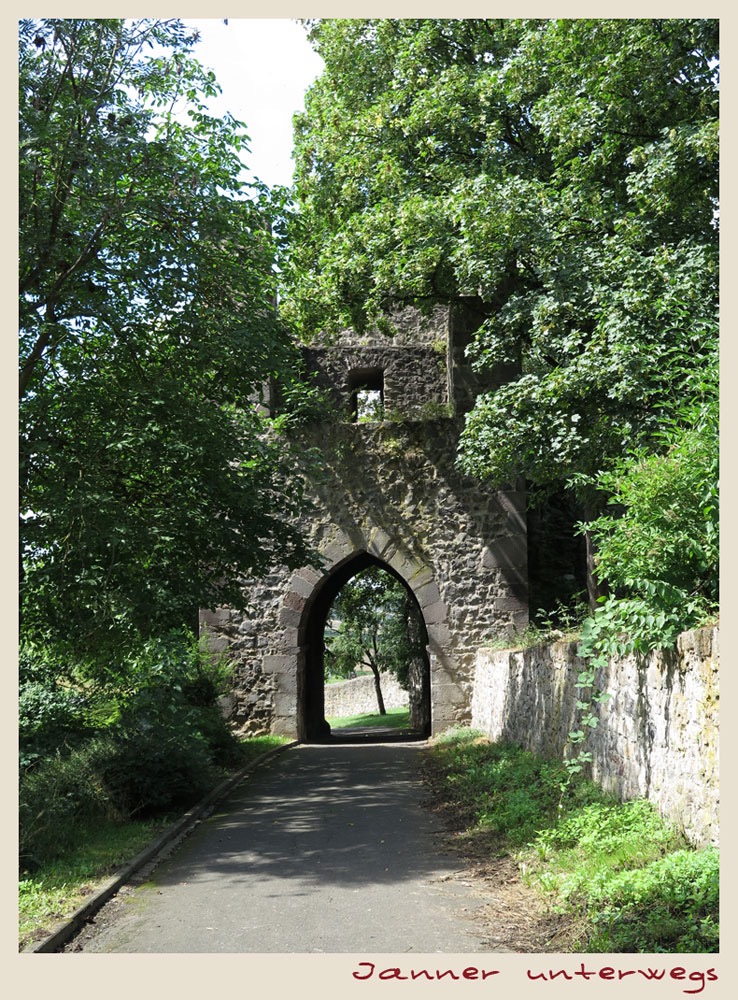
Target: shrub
point(160, 741)
point(59, 796)
point(157, 768)
point(657, 547)
point(52, 711)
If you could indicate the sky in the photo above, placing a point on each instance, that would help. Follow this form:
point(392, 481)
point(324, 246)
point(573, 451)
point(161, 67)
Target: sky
point(263, 67)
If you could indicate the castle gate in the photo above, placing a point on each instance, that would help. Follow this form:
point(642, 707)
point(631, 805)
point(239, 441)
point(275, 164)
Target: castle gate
point(387, 492)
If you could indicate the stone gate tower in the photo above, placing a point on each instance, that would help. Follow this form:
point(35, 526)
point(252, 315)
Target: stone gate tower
point(388, 494)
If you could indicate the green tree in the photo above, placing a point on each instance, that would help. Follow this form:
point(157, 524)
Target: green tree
point(373, 615)
point(658, 540)
point(560, 174)
point(147, 330)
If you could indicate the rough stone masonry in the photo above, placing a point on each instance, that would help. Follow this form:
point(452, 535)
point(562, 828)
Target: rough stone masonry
point(387, 493)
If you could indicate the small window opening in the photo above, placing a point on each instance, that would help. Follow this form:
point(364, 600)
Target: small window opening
point(367, 395)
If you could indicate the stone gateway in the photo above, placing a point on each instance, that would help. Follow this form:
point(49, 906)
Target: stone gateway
point(387, 493)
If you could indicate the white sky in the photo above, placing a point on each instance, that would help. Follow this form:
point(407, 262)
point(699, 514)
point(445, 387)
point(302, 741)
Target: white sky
point(263, 67)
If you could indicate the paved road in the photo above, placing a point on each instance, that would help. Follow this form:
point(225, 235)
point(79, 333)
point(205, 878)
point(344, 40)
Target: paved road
point(325, 849)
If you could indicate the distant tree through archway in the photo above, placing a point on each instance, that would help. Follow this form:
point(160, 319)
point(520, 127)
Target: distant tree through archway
point(412, 666)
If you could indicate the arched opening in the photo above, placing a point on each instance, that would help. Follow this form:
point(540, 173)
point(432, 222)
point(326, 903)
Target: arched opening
point(312, 724)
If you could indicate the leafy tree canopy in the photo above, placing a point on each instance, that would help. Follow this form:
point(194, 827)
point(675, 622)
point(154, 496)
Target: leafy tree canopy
point(561, 173)
point(147, 328)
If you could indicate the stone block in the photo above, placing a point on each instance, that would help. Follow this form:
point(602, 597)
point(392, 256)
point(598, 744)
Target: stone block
point(287, 616)
point(380, 543)
point(421, 575)
point(428, 594)
point(510, 604)
point(434, 614)
point(285, 703)
point(285, 726)
point(286, 683)
point(217, 643)
point(299, 585)
point(508, 551)
point(336, 551)
point(439, 636)
point(277, 664)
point(294, 601)
point(288, 640)
point(216, 619)
point(308, 574)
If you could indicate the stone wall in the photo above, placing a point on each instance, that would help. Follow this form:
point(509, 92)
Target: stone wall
point(392, 491)
point(389, 491)
point(658, 732)
point(358, 697)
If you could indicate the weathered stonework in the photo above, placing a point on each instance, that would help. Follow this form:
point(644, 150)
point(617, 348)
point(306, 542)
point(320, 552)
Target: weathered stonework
point(658, 731)
point(385, 493)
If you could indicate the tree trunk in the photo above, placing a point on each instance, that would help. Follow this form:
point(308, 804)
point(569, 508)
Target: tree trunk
point(595, 589)
point(378, 689)
point(418, 676)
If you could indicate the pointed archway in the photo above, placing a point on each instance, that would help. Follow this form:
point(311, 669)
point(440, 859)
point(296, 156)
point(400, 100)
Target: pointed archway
point(311, 723)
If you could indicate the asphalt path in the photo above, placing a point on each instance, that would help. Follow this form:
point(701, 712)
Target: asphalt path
point(325, 849)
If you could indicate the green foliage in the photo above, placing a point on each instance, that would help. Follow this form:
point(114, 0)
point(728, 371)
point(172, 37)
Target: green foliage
point(498, 787)
point(562, 173)
point(147, 332)
point(620, 872)
point(561, 624)
point(147, 737)
point(52, 710)
point(375, 627)
point(60, 797)
point(158, 762)
point(630, 873)
point(605, 830)
point(658, 547)
point(670, 905)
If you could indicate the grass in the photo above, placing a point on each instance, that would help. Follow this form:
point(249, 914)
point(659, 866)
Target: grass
point(396, 718)
point(59, 886)
point(624, 877)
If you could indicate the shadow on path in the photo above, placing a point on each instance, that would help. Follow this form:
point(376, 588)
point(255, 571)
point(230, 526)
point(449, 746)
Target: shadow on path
point(325, 849)
point(373, 734)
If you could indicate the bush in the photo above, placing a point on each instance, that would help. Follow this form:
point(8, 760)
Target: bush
point(153, 770)
point(145, 771)
point(160, 742)
point(173, 688)
point(61, 795)
point(52, 711)
point(657, 548)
